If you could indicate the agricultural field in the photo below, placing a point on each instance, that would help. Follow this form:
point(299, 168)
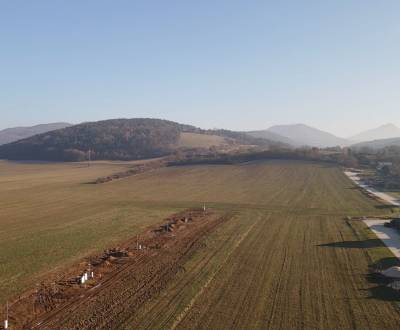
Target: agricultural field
point(50, 216)
point(284, 258)
point(195, 140)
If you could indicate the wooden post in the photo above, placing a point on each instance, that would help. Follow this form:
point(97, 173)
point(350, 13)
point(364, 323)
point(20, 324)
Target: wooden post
point(89, 157)
point(6, 320)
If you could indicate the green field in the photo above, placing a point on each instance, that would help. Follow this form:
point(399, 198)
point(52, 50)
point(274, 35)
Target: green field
point(50, 217)
point(193, 140)
point(286, 260)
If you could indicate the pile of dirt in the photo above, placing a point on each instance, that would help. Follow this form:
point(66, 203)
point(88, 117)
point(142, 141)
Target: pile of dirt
point(174, 224)
point(137, 169)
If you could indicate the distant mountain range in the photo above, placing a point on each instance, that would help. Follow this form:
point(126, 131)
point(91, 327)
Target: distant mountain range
point(127, 139)
point(266, 134)
point(299, 135)
point(387, 131)
point(302, 135)
point(18, 133)
point(122, 139)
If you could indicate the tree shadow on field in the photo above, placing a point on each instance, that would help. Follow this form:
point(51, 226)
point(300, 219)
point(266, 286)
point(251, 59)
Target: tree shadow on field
point(381, 291)
point(385, 263)
point(353, 188)
point(325, 165)
point(368, 243)
point(386, 207)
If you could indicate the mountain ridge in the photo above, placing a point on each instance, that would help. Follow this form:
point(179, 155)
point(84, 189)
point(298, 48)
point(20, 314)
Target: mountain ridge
point(116, 139)
point(265, 134)
point(304, 135)
point(12, 134)
point(386, 131)
point(378, 144)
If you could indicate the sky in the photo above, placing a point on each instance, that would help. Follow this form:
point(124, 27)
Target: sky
point(239, 65)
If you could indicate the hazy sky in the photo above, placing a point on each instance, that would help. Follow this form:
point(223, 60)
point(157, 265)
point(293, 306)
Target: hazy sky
point(232, 64)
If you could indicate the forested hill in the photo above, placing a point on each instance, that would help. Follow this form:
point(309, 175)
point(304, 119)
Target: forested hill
point(115, 139)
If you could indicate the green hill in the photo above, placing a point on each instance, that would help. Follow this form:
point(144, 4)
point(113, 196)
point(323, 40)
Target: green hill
point(120, 139)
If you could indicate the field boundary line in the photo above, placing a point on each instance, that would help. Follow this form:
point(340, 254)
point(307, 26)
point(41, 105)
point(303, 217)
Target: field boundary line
point(209, 280)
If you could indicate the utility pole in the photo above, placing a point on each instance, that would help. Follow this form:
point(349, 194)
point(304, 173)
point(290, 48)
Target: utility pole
point(89, 157)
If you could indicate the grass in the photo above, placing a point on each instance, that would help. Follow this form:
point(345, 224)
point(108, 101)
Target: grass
point(194, 140)
point(286, 260)
point(50, 218)
point(395, 194)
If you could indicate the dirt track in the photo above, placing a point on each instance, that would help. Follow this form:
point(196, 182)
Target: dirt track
point(125, 278)
point(386, 198)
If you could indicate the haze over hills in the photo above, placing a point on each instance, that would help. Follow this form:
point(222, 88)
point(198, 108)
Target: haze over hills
point(122, 139)
point(266, 134)
point(302, 135)
point(387, 131)
point(127, 139)
point(378, 144)
point(17, 133)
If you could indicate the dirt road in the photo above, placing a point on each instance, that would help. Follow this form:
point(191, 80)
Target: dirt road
point(381, 195)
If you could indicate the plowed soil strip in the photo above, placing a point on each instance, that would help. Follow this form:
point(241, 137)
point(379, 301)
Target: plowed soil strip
point(125, 278)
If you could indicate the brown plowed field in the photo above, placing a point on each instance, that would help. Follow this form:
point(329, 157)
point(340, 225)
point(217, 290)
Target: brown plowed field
point(286, 258)
point(125, 278)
